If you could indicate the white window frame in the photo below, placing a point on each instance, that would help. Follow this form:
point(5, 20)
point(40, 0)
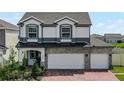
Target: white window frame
point(70, 32)
point(28, 32)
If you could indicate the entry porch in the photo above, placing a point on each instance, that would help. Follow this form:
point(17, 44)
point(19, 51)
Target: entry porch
point(32, 55)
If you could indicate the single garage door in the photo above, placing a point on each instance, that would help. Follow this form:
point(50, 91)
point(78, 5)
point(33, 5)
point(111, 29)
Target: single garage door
point(99, 61)
point(65, 61)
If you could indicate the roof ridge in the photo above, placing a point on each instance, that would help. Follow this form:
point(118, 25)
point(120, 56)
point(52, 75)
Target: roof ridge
point(50, 17)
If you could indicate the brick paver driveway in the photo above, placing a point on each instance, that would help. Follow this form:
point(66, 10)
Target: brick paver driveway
point(78, 75)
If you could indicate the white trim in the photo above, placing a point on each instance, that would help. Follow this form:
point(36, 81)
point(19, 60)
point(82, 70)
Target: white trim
point(32, 18)
point(66, 40)
point(66, 17)
point(70, 32)
point(32, 40)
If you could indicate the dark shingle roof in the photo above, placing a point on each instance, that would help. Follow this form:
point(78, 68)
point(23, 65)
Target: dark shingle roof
point(8, 25)
point(96, 35)
point(51, 17)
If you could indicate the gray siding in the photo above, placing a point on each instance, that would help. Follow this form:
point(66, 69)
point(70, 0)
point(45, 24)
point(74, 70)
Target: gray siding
point(2, 37)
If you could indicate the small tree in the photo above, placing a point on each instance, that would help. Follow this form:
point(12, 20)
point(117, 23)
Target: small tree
point(24, 60)
point(12, 55)
point(24, 64)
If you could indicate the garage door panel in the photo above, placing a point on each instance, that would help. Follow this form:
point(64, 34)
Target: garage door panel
point(65, 61)
point(99, 61)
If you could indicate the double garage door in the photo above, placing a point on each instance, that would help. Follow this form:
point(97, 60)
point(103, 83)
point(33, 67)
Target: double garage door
point(65, 61)
point(77, 61)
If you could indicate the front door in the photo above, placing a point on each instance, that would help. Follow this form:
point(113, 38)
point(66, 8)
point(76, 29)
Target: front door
point(33, 56)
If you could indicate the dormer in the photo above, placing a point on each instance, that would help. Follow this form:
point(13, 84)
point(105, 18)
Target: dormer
point(30, 29)
point(66, 28)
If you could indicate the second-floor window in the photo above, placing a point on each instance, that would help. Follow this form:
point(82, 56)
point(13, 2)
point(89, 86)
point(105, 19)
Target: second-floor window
point(66, 31)
point(32, 31)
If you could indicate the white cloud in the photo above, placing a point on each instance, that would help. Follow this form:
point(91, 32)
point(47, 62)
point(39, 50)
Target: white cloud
point(120, 21)
point(109, 26)
point(100, 24)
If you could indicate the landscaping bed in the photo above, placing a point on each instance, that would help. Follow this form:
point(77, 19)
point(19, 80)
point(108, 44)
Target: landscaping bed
point(12, 71)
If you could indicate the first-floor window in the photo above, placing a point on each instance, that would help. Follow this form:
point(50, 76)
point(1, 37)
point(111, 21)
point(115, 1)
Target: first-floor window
point(32, 31)
point(66, 31)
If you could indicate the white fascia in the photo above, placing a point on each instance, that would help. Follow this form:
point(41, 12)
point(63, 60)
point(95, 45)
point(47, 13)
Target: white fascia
point(32, 18)
point(66, 17)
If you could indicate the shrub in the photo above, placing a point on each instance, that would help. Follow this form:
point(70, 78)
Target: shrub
point(14, 75)
point(24, 63)
point(119, 41)
point(12, 56)
point(27, 74)
point(37, 70)
point(11, 70)
point(43, 69)
point(24, 60)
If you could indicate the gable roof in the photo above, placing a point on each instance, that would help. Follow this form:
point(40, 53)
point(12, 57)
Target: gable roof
point(112, 35)
point(99, 43)
point(96, 35)
point(8, 25)
point(51, 17)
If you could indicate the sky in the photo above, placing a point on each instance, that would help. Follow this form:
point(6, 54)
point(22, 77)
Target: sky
point(102, 22)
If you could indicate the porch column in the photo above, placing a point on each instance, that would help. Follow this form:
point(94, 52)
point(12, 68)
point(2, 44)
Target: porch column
point(20, 56)
point(43, 56)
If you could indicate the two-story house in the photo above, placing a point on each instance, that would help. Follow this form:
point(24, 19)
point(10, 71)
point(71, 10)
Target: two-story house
point(8, 39)
point(113, 38)
point(60, 40)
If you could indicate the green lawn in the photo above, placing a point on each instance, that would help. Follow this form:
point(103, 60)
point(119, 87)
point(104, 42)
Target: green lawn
point(118, 44)
point(120, 77)
point(117, 69)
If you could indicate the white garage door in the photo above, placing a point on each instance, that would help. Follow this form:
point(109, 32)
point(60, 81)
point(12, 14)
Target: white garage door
point(65, 61)
point(99, 61)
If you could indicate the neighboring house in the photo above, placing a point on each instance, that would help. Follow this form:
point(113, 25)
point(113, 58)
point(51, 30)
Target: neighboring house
point(122, 38)
point(98, 36)
point(61, 40)
point(8, 37)
point(113, 38)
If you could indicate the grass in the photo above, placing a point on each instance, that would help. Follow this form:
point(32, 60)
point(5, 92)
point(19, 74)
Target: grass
point(118, 44)
point(118, 69)
point(120, 77)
